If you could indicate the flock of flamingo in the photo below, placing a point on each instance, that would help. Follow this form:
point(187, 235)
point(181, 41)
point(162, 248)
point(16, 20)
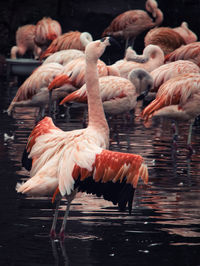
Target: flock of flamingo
point(63, 163)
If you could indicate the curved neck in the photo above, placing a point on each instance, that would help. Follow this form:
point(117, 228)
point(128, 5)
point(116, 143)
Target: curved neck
point(96, 115)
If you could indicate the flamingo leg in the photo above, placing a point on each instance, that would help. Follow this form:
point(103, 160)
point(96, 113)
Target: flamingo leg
point(62, 230)
point(175, 128)
point(55, 218)
point(189, 138)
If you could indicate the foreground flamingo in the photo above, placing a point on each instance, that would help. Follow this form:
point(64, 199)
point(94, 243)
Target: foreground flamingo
point(34, 91)
point(70, 40)
point(130, 24)
point(178, 99)
point(151, 58)
point(78, 159)
point(118, 94)
point(25, 42)
point(190, 52)
point(47, 29)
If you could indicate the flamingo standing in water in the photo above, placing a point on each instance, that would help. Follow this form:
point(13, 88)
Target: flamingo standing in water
point(151, 58)
point(130, 24)
point(47, 29)
point(34, 91)
point(189, 51)
point(118, 94)
point(178, 99)
point(65, 162)
point(25, 42)
point(70, 40)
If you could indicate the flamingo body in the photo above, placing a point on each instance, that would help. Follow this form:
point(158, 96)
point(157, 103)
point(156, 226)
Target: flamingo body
point(70, 40)
point(25, 42)
point(170, 70)
point(47, 30)
point(189, 52)
point(188, 35)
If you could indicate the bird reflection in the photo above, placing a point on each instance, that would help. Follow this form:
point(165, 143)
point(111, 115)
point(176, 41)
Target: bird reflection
point(56, 247)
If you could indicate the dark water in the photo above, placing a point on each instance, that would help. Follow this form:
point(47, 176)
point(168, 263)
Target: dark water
point(164, 228)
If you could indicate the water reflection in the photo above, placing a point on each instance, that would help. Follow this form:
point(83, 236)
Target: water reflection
point(166, 215)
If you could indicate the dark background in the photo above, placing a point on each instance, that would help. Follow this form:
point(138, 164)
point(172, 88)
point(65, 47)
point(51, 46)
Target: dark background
point(88, 15)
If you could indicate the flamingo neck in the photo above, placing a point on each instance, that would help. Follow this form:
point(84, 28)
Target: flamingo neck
point(96, 115)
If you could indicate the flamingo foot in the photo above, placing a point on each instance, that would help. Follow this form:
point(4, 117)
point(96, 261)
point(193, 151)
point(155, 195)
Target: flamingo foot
point(53, 234)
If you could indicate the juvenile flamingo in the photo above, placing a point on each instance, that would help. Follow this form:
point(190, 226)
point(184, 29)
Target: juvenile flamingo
point(70, 40)
point(25, 42)
point(118, 94)
point(189, 51)
point(66, 162)
point(151, 58)
point(47, 29)
point(34, 91)
point(178, 99)
point(130, 24)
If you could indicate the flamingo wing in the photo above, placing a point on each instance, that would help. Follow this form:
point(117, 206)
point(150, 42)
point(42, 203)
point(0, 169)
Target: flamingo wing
point(43, 127)
point(114, 176)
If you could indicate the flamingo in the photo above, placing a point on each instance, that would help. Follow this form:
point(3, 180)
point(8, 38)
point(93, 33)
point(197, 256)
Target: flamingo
point(77, 68)
point(70, 40)
point(170, 70)
point(47, 29)
point(166, 38)
point(179, 99)
point(118, 94)
point(189, 51)
point(188, 35)
point(64, 56)
point(130, 24)
point(25, 42)
point(34, 91)
point(78, 160)
point(151, 58)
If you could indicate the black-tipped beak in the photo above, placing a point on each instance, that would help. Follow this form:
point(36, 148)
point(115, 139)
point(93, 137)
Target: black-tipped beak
point(144, 94)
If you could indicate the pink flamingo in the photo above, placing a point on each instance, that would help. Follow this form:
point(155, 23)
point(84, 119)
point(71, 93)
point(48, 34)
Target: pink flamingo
point(151, 58)
point(170, 70)
point(64, 56)
point(188, 35)
point(130, 24)
point(77, 68)
point(118, 94)
point(34, 91)
point(179, 99)
point(47, 29)
point(78, 159)
point(189, 52)
point(70, 40)
point(25, 42)
point(166, 38)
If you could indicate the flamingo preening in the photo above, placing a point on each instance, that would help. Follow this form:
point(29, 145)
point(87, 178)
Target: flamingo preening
point(66, 162)
point(130, 24)
point(25, 36)
point(178, 99)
